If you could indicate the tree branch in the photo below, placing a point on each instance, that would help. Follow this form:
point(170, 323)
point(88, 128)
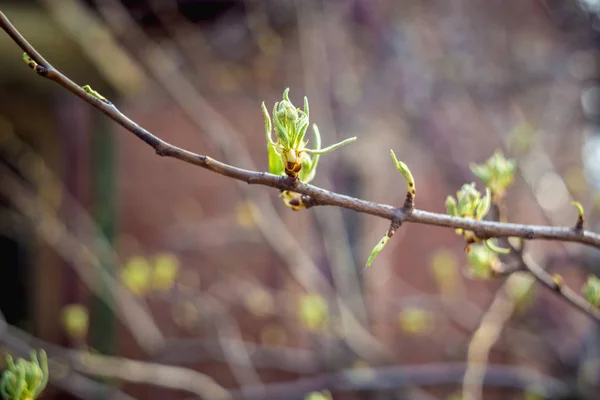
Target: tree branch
point(319, 196)
point(556, 284)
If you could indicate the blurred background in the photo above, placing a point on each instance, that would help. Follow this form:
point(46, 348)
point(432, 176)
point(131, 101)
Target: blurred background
point(211, 285)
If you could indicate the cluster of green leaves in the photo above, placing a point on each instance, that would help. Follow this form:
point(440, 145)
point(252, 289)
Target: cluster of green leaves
point(482, 262)
point(469, 204)
point(288, 154)
point(497, 174)
point(25, 379)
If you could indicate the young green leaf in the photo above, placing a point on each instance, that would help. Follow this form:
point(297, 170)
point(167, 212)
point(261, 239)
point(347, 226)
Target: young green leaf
point(268, 127)
point(451, 208)
point(88, 89)
point(403, 169)
point(497, 173)
point(329, 149)
point(483, 207)
point(377, 249)
point(276, 166)
point(489, 243)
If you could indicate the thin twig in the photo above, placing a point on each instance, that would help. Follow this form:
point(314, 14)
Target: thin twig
point(557, 286)
point(500, 311)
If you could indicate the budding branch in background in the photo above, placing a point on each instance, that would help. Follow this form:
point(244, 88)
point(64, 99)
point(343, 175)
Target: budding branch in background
point(310, 195)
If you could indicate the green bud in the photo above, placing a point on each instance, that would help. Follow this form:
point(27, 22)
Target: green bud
point(75, 319)
point(313, 311)
point(481, 262)
point(377, 249)
point(289, 155)
point(579, 207)
point(281, 131)
point(324, 395)
point(29, 61)
point(520, 289)
point(403, 169)
point(293, 200)
point(468, 199)
point(497, 173)
point(88, 89)
point(451, 207)
point(483, 207)
point(24, 380)
point(307, 173)
point(591, 291)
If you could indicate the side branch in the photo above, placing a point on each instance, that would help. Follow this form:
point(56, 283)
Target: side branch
point(318, 196)
point(555, 283)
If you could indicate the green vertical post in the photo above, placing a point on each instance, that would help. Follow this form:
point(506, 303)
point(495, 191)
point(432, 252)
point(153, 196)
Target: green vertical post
point(103, 321)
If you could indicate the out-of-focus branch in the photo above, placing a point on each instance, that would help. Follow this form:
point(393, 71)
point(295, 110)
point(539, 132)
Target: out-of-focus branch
point(393, 378)
point(18, 343)
point(133, 314)
point(556, 284)
point(319, 196)
point(486, 335)
point(501, 310)
point(190, 351)
point(166, 376)
point(317, 74)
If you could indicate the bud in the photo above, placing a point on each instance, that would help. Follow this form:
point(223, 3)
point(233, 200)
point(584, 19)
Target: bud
point(164, 274)
point(481, 262)
point(76, 319)
point(497, 173)
point(287, 154)
point(324, 395)
point(591, 291)
point(24, 380)
point(468, 199)
point(313, 311)
point(136, 276)
point(293, 200)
